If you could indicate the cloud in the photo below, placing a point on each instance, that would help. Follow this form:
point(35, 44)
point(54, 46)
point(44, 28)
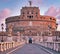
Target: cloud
point(58, 19)
point(53, 11)
point(5, 13)
point(58, 28)
point(58, 16)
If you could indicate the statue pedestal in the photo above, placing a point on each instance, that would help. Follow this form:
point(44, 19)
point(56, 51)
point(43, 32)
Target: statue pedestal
point(50, 39)
point(41, 39)
point(18, 39)
point(9, 39)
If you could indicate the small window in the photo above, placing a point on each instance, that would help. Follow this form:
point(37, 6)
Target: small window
point(53, 19)
point(50, 18)
point(59, 36)
point(30, 16)
point(23, 13)
point(44, 17)
point(36, 13)
point(56, 23)
point(28, 12)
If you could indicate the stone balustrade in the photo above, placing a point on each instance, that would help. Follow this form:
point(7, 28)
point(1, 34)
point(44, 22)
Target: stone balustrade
point(51, 45)
point(8, 45)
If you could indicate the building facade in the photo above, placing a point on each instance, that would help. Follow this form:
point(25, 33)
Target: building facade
point(30, 23)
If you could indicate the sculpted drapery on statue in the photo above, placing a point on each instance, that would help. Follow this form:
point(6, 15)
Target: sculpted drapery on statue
point(10, 38)
point(10, 30)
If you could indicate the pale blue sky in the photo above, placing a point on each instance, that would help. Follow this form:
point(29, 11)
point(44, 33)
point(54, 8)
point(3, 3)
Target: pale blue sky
point(14, 6)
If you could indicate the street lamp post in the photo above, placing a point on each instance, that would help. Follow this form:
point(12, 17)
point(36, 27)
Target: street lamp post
point(2, 31)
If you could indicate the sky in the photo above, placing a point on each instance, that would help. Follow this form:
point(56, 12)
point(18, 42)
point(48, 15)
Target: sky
point(12, 8)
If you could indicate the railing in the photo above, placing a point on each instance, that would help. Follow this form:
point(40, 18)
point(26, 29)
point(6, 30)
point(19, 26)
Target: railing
point(51, 45)
point(8, 45)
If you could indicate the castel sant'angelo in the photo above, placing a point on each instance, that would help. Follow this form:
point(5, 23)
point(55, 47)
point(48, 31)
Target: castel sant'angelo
point(30, 23)
point(30, 27)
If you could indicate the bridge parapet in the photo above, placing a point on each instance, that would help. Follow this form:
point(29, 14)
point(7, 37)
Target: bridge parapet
point(52, 45)
point(8, 45)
